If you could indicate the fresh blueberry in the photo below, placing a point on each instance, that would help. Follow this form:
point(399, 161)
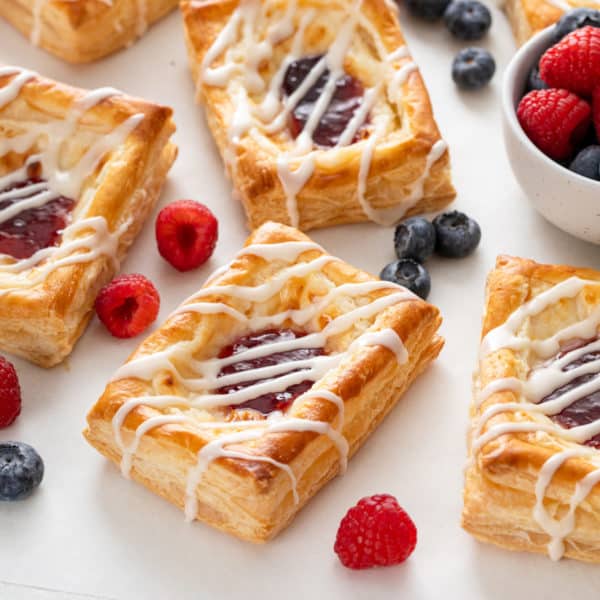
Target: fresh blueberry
point(534, 81)
point(415, 238)
point(456, 234)
point(587, 163)
point(430, 10)
point(410, 274)
point(575, 19)
point(21, 470)
point(473, 68)
point(467, 19)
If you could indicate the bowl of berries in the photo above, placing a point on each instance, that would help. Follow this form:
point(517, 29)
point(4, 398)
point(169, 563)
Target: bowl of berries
point(551, 106)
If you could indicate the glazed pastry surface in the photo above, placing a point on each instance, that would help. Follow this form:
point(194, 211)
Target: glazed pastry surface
point(534, 465)
point(81, 31)
point(182, 417)
point(81, 170)
point(527, 17)
point(291, 156)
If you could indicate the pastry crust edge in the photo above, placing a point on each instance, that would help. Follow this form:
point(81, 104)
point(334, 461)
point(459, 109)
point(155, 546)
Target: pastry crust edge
point(499, 492)
point(254, 500)
point(42, 323)
point(82, 31)
point(329, 196)
point(528, 17)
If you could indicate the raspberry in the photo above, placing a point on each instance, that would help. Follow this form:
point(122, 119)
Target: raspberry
point(186, 233)
point(128, 305)
point(556, 121)
point(574, 63)
point(596, 110)
point(376, 532)
point(10, 394)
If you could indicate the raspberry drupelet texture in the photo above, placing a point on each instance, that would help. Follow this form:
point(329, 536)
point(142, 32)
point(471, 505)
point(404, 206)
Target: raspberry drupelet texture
point(376, 532)
point(128, 305)
point(10, 394)
point(556, 121)
point(574, 63)
point(186, 234)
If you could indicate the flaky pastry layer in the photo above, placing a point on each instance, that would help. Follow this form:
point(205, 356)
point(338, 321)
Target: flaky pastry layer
point(527, 17)
point(81, 31)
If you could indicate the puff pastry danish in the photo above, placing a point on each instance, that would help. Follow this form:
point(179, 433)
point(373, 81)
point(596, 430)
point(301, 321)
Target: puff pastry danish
point(81, 31)
point(255, 392)
point(527, 17)
point(533, 478)
point(79, 173)
point(318, 110)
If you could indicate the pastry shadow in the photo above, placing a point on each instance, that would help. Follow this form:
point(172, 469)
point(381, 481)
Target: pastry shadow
point(146, 525)
point(136, 517)
point(531, 575)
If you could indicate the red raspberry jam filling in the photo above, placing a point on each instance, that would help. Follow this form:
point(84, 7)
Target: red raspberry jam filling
point(346, 100)
point(34, 228)
point(267, 403)
point(586, 409)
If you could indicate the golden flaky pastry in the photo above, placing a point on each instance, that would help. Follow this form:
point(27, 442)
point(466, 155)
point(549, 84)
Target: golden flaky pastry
point(530, 16)
point(337, 75)
point(89, 164)
point(255, 392)
point(80, 31)
point(533, 477)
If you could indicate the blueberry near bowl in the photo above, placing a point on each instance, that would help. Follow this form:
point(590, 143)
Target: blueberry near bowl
point(565, 197)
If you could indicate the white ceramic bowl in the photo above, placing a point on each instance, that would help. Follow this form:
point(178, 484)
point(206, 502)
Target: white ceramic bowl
point(569, 201)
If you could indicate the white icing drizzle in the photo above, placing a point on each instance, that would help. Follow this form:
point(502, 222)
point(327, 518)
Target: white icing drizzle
point(240, 76)
point(559, 529)
point(285, 374)
point(83, 240)
point(274, 423)
point(506, 336)
point(389, 216)
point(506, 384)
point(285, 251)
point(388, 338)
point(11, 90)
point(540, 383)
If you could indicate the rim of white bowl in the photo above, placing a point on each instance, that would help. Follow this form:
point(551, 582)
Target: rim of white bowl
point(540, 41)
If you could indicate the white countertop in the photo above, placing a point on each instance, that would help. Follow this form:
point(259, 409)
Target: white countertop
point(89, 533)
